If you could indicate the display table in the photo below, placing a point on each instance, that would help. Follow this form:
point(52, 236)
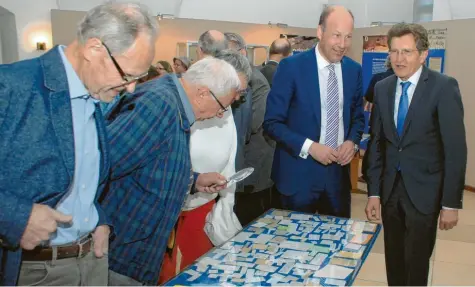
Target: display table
point(286, 248)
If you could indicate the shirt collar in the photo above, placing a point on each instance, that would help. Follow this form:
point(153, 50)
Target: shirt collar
point(184, 100)
point(322, 63)
point(76, 87)
point(414, 79)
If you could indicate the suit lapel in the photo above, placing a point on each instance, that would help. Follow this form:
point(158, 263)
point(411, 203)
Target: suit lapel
point(391, 104)
point(313, 84)
point(61, 117)
point(103, 145)
point(56, 81)
point(416, 98)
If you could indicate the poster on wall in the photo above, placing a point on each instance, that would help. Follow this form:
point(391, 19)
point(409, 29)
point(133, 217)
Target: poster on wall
point(300, 43)
point(375, 53)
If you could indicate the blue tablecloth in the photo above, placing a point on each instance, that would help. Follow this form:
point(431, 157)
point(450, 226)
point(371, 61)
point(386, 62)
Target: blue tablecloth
point(286, 248)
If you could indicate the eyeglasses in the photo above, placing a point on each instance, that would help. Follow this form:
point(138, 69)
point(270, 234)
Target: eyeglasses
point(219, 103)
point(403, 52)
point(128, 79)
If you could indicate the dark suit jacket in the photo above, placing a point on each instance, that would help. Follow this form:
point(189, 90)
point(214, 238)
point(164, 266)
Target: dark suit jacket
point(432, 152)
point(36, 148)
point(269, 70)
point(294, 114)
point(369, 96)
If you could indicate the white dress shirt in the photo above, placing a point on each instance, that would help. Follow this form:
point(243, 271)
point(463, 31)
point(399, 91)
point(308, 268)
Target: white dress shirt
point(414, 79)
point(323, 73)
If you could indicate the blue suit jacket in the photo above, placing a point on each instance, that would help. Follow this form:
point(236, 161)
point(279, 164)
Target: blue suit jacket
point(36, 148)
point(293, 114)
point(149, 136)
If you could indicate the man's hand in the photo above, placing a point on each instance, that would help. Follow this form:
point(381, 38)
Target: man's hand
point(43, 221)
point(346, 152)
point(373, 209)
point(211, 182)
point(448, 219)
point(101, 240)
point(322, 153)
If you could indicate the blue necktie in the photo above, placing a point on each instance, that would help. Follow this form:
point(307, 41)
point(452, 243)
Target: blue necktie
point(403, 107)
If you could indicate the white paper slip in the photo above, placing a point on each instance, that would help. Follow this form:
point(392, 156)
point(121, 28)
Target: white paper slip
point(209, 261)
point(326, 242)
point(279, 217)
point(307, 266)
point(295, 245)
point(261, 273)
point(266, 268)
point(314, 237)
point(285, 222)
point(194, 275)
point(263, 238)
point(301, 217)
point(213, 276)
point(290, 254)
point(286, 269)
point(335, 282)
point(333, 271)
point(318, 260)
point(245, 264)
point(242, 236)
point(259, 224)
point(201, 268)
point(352, 247)
point(261, 256)
point(225, 267)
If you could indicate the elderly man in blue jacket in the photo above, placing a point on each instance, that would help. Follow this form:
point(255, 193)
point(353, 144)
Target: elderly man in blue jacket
point(151, 172)
point(54, 149)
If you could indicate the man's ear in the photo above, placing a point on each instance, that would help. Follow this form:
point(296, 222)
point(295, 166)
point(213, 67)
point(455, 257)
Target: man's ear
point(93, 48)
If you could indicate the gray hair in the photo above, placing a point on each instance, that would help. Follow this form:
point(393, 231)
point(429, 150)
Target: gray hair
point(235, 41)
point(239, 62)
point(210, 45)
point(215, 74)
point(117, 25)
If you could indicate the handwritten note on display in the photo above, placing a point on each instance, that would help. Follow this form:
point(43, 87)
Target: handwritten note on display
point(437, 38)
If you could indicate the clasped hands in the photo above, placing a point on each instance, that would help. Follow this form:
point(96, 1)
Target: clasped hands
point(326, 155)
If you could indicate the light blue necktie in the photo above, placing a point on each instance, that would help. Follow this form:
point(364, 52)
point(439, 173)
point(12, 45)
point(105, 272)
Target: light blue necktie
point(403, 107)
point(333, 109)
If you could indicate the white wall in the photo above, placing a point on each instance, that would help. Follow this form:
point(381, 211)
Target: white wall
point(453, 9)
point(367, 11)
point(1, 56)
point(33, 20)
point(33, 16)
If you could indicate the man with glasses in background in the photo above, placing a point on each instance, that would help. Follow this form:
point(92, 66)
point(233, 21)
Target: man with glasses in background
point(151, 171)
point(256, 195)
point(54, 150)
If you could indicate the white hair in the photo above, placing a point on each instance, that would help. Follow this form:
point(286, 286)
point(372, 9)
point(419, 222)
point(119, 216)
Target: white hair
point(215, 74)
point(117, 25)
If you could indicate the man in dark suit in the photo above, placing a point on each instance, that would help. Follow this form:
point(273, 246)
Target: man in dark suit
point(54, 151)
point(416, 157)
point(369, 96)
point(316, 108)
point(280, 49)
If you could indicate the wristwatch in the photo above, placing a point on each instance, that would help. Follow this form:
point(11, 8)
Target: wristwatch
point(356, 148)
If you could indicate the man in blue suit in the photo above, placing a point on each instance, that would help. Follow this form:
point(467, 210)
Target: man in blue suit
point(315, 114)
point(54, 151)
